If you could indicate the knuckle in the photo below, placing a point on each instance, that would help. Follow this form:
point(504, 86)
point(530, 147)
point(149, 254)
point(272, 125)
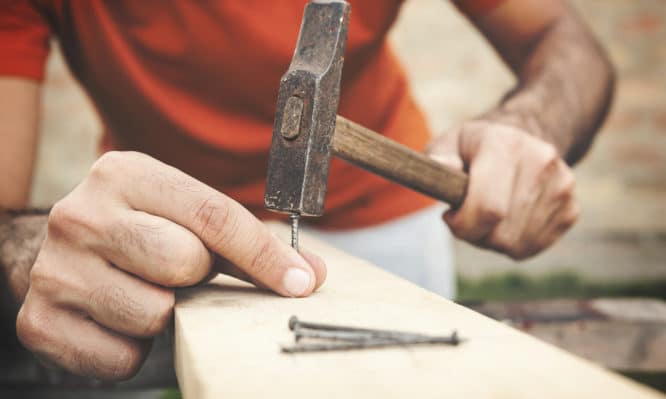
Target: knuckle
point(491, 212)
point(160, 314)
point(518, 253)
point(503, 238)
point(259, 263)
point(107, 166)
point(42, 277)
point(192, 266)
point(51, 279)
point(458, 229)
point(572, 217)
point(549, 153)
point(186, 269)
point(115, 302)
point(32, 327)
point(568, 186)
point(60, 217)
point(511, 243)
point(214, 220)
point(124, 363)
point(125, 236)
point(548, 157)
point(68, 219)
point(114, 163)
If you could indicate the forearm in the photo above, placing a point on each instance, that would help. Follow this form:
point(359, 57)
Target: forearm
point(565, 88)
point(21, 235)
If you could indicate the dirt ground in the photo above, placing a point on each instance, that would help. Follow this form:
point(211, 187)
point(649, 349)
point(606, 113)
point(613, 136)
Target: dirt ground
point(455, 75)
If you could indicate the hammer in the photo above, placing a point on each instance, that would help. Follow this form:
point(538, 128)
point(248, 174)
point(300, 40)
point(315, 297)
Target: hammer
point(307, 129)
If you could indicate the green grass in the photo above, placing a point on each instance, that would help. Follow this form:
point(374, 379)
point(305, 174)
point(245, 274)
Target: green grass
point(514, 286)
point(171, 393)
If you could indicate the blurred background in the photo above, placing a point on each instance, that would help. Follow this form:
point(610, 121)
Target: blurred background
point(618, 248)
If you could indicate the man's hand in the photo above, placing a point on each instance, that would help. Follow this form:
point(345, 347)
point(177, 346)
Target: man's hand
point(520, 197)
point(102, 284)
point(520, 194)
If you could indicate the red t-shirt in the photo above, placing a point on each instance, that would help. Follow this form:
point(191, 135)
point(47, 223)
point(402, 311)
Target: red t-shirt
point(194, 83)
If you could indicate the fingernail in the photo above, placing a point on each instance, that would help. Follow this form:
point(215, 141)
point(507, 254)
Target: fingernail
point(296, 281)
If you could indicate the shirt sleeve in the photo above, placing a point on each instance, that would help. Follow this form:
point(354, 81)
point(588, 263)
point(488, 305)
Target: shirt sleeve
point(24, 39)
point(476, 8)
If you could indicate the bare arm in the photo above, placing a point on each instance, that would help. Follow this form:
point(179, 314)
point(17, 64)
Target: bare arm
point(19, 108)
point(565, 80)
point(521, 193)
point(20, 235)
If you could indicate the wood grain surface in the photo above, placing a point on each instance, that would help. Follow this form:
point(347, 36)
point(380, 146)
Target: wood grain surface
point(376, 153)
point(228, 336)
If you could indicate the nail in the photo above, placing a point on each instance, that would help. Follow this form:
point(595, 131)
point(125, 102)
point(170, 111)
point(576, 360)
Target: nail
point(300, 333)
point(370, 344)
point(296, 281)
point(294, 322)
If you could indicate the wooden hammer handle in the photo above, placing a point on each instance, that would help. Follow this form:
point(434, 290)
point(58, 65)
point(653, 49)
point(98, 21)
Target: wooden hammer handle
point(380, 155)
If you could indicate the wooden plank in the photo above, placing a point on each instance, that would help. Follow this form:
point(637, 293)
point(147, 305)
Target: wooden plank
point(227, 337)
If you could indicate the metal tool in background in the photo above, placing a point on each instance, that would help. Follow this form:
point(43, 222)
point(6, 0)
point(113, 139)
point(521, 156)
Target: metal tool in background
point(307, 129)
point(328, 337)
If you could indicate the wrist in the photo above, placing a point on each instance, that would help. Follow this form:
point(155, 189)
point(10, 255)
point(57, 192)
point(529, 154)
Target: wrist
point(21, 236)
point(524, 108)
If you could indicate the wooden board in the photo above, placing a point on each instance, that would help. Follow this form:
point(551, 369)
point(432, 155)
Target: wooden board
point(227, 338)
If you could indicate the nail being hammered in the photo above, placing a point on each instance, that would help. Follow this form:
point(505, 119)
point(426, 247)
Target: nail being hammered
point(294, 230)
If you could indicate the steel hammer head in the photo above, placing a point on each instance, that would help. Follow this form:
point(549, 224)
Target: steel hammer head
point(306, 111)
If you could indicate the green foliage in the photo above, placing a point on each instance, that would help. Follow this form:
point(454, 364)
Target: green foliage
point(516, 286)
point(171, 393)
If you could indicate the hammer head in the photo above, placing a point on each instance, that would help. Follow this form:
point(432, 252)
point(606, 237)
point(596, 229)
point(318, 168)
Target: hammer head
point(306, 111)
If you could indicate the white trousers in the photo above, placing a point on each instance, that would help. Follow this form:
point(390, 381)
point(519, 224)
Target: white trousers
point(417, 247)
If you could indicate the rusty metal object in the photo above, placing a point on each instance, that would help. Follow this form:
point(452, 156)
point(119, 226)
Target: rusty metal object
point(328, 337)
point(308, 131)
point(306, 112)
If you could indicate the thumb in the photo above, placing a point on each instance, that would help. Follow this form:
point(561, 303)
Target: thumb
point(445, 150)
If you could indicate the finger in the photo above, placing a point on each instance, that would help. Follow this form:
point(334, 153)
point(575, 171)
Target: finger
point(538, 173)
point(491, 183)
point(111, 297)
point(154, 249)
point(545, 174)
point(318, 266)
point(558, 194)
point(222, 224)
point(225, 267)
point(510, 235)
point(444, 149)
point(68, 339)
point(561, 221)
